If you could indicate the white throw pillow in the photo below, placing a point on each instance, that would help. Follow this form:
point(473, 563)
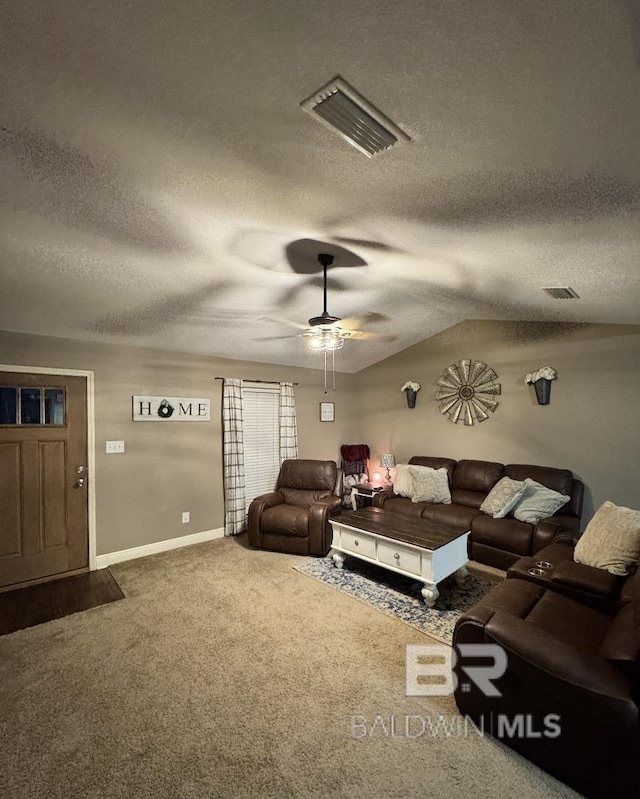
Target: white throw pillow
point(403, 484)
point(611, 540)
point(538, 502)
point(503, 497)
point(430, 485)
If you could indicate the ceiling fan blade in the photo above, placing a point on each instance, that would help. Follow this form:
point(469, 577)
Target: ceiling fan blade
point(365, 335)
point(274, 338)
point(368, 244)
point(366, 318)
point(287, 322)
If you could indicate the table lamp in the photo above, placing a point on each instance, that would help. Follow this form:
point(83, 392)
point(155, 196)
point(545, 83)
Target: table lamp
point(387, 461)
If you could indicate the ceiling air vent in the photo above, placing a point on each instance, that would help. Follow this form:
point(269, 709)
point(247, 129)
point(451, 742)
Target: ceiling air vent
point(562, 293)
point(338, 106)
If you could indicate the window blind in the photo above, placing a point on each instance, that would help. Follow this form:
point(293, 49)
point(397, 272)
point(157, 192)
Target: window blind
point(261, 433)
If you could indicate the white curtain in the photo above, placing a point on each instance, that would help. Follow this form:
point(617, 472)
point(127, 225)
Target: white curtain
point(235, 517)
point(288, 423)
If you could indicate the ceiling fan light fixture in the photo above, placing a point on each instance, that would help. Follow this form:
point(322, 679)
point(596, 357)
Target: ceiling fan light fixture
point(325, 340)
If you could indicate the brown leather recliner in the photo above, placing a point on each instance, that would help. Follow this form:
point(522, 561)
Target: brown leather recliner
point(295, 517)
point(570, 696)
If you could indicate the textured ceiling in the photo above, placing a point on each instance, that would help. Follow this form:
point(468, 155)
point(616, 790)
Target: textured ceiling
point(159, 182)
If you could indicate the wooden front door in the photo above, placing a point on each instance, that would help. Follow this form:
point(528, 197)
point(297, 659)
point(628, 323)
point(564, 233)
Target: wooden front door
point(44, 528)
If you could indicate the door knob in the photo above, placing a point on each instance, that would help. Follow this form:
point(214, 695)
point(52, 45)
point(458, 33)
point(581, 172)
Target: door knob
point(80, 482)
point(79, 469)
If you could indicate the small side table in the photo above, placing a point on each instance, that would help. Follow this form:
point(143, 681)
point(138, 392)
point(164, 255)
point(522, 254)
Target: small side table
point(362, 494)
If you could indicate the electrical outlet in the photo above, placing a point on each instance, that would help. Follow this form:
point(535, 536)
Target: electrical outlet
point(114, 447)
point(185, 516)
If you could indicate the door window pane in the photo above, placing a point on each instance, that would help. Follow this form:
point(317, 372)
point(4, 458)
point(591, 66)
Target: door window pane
point(30, 405)
point(8, 405)
point(54, 406)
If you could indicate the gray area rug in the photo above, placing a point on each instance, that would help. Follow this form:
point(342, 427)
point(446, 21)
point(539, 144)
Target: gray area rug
point(400, 596)
point(228, 675)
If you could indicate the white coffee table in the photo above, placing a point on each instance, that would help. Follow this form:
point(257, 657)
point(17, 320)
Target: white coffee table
point(413, 547)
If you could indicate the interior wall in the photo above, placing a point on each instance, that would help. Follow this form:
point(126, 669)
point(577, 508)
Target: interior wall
point(591, 426)
point(168, 468)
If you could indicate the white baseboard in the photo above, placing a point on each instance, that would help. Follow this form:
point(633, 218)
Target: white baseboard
point(102, 561)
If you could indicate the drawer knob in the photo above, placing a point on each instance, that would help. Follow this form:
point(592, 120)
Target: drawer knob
point(396, 556)
point(356, 542)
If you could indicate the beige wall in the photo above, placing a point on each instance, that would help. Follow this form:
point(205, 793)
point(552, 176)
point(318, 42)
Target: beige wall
point(173, 467)
point(591, 426)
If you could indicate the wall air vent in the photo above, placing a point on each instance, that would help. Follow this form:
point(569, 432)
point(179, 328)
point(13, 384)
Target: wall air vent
point(338, 106)
point(562, 293)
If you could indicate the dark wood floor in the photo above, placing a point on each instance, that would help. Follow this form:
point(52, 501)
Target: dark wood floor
point(26, 607)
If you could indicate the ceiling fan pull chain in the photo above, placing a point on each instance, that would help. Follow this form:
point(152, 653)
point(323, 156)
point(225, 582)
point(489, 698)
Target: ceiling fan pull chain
point(325, 371)
point(333, 368)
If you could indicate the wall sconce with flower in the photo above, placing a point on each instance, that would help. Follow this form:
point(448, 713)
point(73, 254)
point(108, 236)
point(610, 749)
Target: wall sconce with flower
point(541, 381)
point(412, 388)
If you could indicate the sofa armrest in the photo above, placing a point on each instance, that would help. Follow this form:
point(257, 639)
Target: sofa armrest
point(587, 578)
point(380, 497)
point(256, 509)
point(319, 528)
point(544, 533)
point(587, 679)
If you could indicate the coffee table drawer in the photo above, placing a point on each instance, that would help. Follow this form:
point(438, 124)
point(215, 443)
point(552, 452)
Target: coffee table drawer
point(399, 557)
point(359, 543)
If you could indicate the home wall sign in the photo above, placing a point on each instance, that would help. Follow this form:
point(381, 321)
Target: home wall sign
point(467, 391)
point(171, 409)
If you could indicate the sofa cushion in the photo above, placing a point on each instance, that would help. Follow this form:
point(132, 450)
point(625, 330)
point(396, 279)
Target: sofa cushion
point(611, 540)
point(430, 485)
point(621, 644)
point(435, 463)
point(450, 515)
point(285, 520)
point(538, 502)
point(503, 497)
point(477, 475)
point(405, 506)
point(302, 498)
point(470, 499)
point(559, 480)
point(508, 534)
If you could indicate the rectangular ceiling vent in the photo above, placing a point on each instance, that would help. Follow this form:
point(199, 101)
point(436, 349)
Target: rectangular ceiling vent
point(339, 106)
point(562, 293)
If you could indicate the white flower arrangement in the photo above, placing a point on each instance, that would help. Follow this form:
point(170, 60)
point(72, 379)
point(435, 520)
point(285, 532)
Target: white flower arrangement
point(411, 385)
point(545, 373)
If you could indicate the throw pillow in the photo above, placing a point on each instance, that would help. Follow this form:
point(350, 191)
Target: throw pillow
point(611, 540)
point(538, 502)
point(503, 497)
point(430, 485)
point(403, 484)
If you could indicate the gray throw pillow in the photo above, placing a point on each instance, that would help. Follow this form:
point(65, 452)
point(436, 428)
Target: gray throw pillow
point(538, 502)
point(503, 497)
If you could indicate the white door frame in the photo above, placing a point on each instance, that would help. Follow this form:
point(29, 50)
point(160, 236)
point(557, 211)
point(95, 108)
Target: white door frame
point(91, 439)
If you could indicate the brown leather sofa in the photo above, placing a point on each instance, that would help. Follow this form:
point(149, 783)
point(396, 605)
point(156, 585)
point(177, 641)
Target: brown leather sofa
point(570, 695)
point(495, 542)
point(295, 517)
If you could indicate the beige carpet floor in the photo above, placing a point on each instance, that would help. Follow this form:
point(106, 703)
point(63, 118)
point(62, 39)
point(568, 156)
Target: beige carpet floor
point(226, 673)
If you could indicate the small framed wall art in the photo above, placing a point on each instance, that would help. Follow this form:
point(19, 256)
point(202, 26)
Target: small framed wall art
point(327, 412)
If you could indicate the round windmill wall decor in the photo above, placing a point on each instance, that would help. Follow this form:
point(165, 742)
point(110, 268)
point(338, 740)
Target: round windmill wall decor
point(467, 391)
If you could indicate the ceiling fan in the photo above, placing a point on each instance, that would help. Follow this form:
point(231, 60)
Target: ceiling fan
point(323, 333)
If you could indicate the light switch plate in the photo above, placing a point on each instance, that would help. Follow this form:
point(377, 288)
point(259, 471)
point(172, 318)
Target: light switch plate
point(186, 516)
point(115, 447)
